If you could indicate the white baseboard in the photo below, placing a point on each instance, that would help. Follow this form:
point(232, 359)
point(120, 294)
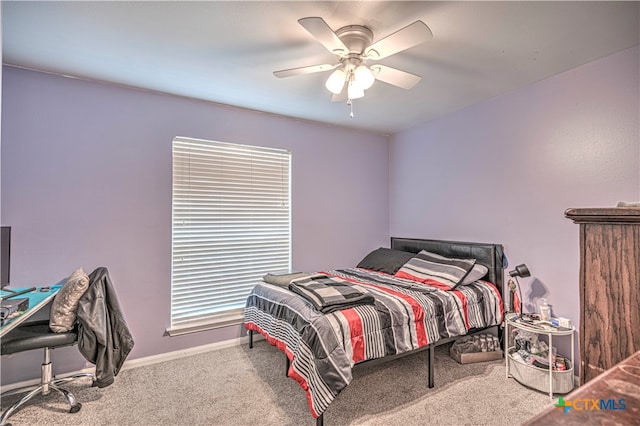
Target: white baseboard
point(148, 360)
point(168, 356)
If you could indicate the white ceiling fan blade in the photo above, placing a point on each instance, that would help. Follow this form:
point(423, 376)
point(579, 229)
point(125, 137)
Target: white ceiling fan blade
point(318, 28)
point(395, 77)
point(304, 70)
point(403, 39)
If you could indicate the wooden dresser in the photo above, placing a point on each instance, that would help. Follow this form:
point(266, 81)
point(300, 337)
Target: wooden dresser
point(609, 286)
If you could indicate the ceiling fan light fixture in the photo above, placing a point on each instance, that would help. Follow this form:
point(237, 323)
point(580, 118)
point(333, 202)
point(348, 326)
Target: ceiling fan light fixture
point(354, 90)
point(336, 80)
point(363, 77)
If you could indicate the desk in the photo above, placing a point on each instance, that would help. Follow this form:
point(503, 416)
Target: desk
point(37, 300)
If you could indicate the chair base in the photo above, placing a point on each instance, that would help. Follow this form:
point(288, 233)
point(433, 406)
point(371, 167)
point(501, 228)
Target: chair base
point(47, 384)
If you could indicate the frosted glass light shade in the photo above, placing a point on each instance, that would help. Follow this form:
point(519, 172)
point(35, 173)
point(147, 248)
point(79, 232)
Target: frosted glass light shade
point(336, 80)
point(363, 77)
point(354, 90)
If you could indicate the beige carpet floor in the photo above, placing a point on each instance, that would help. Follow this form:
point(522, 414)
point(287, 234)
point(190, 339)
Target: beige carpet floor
point(242, 386)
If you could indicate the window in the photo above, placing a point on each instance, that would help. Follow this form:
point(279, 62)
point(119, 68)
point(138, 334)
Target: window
point(231, 225)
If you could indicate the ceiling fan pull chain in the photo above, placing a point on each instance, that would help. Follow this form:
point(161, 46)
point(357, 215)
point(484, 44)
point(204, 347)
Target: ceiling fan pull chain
point(350, 103)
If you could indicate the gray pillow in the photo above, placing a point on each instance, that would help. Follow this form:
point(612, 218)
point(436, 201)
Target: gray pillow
point(439, 271)
point(63, 308)
point(385, 260)
point(478, 272)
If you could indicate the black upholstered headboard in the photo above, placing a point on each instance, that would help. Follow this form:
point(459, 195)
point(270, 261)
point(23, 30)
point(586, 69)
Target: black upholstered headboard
point(490, 255)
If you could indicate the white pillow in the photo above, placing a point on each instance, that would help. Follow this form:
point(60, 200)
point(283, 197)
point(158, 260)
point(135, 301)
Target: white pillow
point(63, 309)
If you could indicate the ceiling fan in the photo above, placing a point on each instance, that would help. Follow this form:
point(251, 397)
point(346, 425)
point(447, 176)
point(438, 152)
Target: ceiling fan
point(353, 46)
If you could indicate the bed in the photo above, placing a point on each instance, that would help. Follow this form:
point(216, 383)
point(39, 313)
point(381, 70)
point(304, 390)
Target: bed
point(396, 309)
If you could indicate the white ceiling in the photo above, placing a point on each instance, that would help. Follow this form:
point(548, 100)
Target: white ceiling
point(226, 52)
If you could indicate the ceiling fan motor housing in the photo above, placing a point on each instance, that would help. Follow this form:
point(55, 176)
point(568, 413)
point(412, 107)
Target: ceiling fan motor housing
point(355, 37)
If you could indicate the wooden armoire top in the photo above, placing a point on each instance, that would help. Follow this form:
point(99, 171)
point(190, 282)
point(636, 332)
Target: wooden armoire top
point(604, 214)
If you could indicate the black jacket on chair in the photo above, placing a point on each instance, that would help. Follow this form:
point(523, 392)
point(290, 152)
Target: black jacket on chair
point(103, 336)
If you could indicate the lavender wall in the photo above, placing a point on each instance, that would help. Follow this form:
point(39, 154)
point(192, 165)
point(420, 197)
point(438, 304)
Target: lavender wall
point(86, 178)
point(86, 181)
point(506, 169)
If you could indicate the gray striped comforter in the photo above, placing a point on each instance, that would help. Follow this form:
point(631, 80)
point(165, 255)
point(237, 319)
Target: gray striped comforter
point(406, 315)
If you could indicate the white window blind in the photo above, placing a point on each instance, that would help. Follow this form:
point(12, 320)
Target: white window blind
point(231, 225)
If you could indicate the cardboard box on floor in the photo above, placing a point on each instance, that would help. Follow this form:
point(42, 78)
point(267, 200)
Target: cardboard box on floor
point(468, 358)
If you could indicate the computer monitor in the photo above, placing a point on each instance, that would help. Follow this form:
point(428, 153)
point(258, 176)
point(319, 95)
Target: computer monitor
point(5, 255)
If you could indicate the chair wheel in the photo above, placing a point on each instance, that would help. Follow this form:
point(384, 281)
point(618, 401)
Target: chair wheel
point(75, 408)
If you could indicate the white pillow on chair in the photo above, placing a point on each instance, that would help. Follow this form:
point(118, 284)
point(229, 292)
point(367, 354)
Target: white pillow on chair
point(63, 308)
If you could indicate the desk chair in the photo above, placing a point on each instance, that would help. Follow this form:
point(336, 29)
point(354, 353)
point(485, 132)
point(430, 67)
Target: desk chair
point(37, 335)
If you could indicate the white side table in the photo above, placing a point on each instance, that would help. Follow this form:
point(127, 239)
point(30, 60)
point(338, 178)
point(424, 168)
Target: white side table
point(512, 321)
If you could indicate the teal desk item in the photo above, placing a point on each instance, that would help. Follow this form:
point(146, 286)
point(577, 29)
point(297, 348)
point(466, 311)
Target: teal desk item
point(38, 298)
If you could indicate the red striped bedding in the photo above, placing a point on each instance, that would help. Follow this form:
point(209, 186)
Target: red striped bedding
point(406, 315)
